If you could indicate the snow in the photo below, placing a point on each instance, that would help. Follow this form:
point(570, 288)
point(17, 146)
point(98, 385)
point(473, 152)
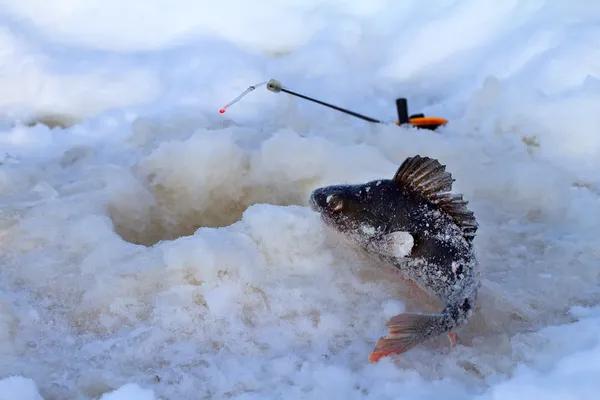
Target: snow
point(151, 247)
point(129, 391)
point(17, 387)
point(404, 243)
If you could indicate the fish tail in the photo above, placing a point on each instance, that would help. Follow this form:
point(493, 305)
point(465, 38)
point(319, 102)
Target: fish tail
point(409, 330)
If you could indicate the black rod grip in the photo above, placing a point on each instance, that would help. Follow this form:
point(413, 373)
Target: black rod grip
point(402, 110)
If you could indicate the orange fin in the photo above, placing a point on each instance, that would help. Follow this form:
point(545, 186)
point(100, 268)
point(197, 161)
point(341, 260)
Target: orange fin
point(452, 338)
point(405, 332)
point(386, 347)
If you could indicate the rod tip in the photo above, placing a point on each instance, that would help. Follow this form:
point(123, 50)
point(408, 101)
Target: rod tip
point(274, 86)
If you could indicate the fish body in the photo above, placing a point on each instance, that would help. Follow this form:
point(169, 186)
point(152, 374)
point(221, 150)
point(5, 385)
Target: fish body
point(413, 223)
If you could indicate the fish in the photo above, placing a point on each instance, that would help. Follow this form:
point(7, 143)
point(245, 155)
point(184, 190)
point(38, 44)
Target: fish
point(414, 224)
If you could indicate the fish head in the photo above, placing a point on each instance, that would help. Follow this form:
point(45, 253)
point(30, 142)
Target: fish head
point(347, 209)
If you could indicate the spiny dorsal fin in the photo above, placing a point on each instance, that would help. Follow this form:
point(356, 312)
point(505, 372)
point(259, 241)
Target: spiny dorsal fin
point(429, 178)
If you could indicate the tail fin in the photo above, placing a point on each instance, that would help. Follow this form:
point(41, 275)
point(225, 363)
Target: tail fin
point(406, 332)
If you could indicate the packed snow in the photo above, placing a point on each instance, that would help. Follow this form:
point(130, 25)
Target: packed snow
point(152, 248)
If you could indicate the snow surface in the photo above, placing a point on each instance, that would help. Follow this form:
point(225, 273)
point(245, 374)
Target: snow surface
point(154, 248)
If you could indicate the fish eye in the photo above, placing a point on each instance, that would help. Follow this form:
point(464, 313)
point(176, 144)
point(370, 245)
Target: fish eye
point(336, 202)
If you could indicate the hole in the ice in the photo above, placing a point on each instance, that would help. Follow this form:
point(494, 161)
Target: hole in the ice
point(52, 121)
point(167, 212)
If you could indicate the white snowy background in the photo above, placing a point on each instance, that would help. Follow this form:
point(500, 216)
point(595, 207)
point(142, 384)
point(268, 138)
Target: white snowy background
point(152, 248)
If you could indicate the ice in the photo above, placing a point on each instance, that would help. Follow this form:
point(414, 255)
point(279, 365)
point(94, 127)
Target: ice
point(151, 247)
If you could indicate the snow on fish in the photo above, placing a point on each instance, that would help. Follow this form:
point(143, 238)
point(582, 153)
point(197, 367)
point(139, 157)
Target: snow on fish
point(414, 223)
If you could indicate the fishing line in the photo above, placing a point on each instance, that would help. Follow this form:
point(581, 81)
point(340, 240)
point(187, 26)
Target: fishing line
point(245, 92)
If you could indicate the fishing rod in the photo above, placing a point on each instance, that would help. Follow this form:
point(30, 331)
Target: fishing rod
point(416, 120)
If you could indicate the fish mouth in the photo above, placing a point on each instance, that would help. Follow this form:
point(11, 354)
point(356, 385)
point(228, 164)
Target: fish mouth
point(312, 202)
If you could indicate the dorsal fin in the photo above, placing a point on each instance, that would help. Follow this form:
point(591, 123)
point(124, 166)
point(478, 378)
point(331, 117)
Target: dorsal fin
point(429, 178)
